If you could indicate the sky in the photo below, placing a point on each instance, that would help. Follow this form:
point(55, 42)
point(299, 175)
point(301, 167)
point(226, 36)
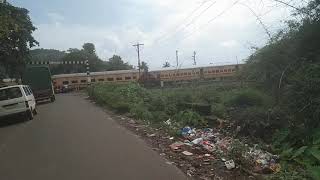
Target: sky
point(219, 31)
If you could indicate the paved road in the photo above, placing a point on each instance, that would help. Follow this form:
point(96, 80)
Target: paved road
point(72, 139)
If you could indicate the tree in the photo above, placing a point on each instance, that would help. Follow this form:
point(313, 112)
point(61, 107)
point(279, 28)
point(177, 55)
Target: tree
point(289, 68)
point(89, 48)
point(116, 63)
point(166, 64)
point(15, 38)
point(46, 55)
point(144, 66)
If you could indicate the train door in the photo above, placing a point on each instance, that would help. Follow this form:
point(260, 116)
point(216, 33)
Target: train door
point(201, 73)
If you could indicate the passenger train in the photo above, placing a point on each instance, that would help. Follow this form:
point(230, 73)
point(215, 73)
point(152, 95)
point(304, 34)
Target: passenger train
point(213, 73)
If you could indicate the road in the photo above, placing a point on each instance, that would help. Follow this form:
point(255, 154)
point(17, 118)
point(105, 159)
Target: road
point(72, 139)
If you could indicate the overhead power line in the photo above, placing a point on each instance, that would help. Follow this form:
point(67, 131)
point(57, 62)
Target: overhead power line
point(214, 18)
point(182, 27)
point(190, 15)
point(259, 19)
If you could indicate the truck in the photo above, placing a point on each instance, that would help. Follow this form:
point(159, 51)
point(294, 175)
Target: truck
point(39, 79)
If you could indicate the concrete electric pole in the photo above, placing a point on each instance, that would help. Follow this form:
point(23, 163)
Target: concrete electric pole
point(138, 50)
point(194, 58)
point(177, 58)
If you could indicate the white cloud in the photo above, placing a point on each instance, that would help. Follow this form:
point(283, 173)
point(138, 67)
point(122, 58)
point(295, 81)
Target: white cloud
point(229, 43)
point(220, 40)
point(56, 18)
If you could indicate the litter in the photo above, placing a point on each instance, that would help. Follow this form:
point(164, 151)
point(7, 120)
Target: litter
point(230, 164)
point(132, 121)
point(176, 146)
point(169, 163)
point(168, 122)
point(187, 153)
point(151, 135)
point(197, 141)
point(187, 131)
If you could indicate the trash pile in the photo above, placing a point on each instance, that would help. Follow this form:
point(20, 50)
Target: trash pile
point(265, 162)
point(205, 153)
point(207, 141)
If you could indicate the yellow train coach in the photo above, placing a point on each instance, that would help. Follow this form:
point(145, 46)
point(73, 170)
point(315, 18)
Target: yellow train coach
point(80, 80)
point(213, 73)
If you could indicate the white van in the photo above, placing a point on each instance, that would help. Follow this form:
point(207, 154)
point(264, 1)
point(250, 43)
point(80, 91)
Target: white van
point(17, 99)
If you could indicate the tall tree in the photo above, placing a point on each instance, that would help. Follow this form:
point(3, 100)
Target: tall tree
point(15, 38)
point(89, 48)
point(144, 66)
point(116, 63)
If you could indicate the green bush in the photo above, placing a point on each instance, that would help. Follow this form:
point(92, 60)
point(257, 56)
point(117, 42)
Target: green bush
point(189, 118)
point(247, 98)
point(219, 110)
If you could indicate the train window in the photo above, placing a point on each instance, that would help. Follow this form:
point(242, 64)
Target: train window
point(110, 79)
point(229, 70)
point(119, 78)
point(134, 77)
point(100, 79)
point(185, 73)
point(65, 82)
point(166, 75)
point(128, 78)
point(54, 82)
point(225, 70)
point(198, 73)
point(83, 81)
point(221, 70)
point(217, 71)
point(93, 80)
point(189, 73)
point(162, 75)
point(233, 70)
point(73, 82)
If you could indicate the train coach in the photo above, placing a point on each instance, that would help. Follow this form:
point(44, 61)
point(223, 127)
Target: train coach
point(212, 73)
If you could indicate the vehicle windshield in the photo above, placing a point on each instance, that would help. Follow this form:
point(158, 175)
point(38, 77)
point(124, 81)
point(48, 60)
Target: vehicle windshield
point(10, 93)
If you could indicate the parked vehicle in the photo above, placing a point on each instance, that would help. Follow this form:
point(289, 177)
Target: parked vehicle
point(39, 79)
point(17, 99)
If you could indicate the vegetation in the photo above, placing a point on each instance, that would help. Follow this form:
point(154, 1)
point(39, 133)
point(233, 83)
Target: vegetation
point(15, 39)
point(281, 108)
point(88, 52)
point(289, 69)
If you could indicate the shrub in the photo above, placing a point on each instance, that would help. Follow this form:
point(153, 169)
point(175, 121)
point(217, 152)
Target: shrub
point(219, 110)
point(189, 118)
point(248, 98)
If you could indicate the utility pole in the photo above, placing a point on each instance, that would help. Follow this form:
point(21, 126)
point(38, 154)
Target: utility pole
point(194, 58)
point(138, 50)
point(88, 72)
point(177, 58)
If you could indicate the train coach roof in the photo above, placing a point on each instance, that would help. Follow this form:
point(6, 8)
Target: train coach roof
point(195, 67)
point(95, 73)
